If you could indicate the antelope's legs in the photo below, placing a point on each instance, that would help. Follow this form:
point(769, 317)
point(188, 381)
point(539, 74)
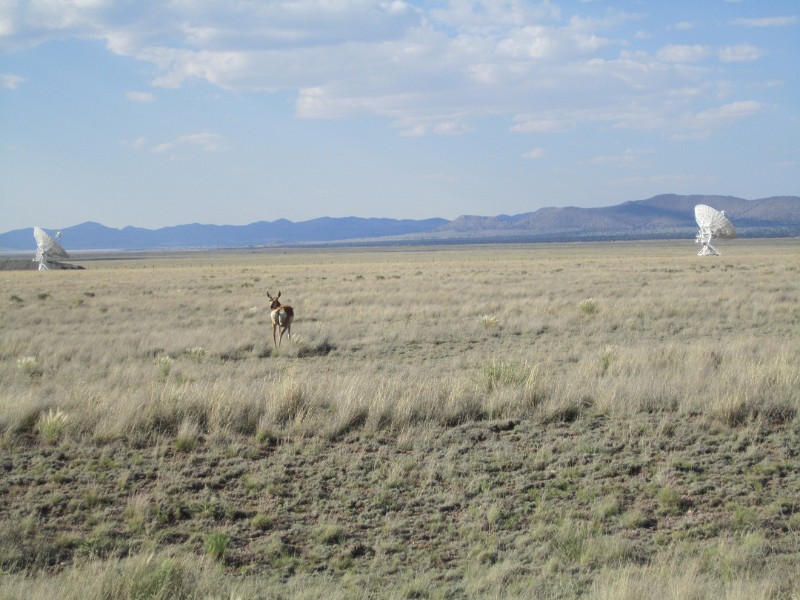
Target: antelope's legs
point(288, 331)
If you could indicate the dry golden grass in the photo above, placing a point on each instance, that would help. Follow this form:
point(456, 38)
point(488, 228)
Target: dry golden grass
point(168, 354)
point(392, 338)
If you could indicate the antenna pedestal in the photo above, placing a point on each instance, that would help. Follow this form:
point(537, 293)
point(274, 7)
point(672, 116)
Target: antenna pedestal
point(47, 248)
point(713, 224)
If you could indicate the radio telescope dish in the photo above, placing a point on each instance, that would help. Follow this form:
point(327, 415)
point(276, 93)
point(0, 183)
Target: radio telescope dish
point(47, 248)
point(713, 224)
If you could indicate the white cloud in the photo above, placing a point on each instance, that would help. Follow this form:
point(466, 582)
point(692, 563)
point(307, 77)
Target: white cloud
point(733, 110)
point(543, 124)
point(767, 21)
point(629, 157)
point(143, 97)
point(451, 128)
point(163, 148)
point(534, 154)
point(10, 82)
point(208, 142)
point(425, 69)
point(666, 179)
point(414, 131)
point(138, 143)
point(677, 53)
point(528, 42)
point(701, 124)
point(740, 53)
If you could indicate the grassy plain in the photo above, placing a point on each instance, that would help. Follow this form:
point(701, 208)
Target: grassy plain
point(521, 421)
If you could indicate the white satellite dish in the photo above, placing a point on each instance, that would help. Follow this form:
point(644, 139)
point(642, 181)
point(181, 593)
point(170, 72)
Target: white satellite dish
point(713, 224)
point(47, 248)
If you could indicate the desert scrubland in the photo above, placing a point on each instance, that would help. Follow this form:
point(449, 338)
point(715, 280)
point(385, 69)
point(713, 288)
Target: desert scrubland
point(513, 421)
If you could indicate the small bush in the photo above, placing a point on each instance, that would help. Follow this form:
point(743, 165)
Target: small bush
point(152, 579)
point(216, 545)
point(30, 366)
point(187, 437)
point(329, 533)
point(499, 373)
point(164, 364)
point(489, 321)
point(288, 402)
point(606, 358)
point(670, 502)
point(137, 513)
point(197, 354)
point(588, 306)
point(51, 425)
point(637, 519)
point(262, 522)
point(304, 350)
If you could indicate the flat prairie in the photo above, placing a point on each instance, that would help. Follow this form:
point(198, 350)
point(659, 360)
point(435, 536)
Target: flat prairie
point(617, 420)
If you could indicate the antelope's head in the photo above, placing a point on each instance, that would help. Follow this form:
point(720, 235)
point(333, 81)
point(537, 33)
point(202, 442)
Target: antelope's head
point(274, 302)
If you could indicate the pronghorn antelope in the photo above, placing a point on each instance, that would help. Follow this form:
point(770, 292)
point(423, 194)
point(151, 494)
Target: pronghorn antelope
point(282, 317)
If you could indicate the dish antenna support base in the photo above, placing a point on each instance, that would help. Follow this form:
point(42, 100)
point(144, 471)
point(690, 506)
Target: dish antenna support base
point(713, 224)
point(47, 248)
point(704, 237)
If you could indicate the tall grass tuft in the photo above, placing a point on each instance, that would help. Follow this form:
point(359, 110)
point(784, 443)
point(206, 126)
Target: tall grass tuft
point(187, 437)
point(288, 402)
point(216, 545)
point(588, 306)
point(164, 365)
point(198, 354)
point(489, 321)
point(51, 426)
point(29, 365)
point(499, 373)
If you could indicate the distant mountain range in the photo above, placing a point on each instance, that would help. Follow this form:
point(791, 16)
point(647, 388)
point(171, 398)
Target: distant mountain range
point(665, 216)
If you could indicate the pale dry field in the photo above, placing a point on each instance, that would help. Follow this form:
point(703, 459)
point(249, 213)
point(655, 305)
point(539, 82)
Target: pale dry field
point(170, 358)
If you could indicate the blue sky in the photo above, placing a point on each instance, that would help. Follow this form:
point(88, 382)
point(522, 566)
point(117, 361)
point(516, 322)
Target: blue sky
point(156, 113)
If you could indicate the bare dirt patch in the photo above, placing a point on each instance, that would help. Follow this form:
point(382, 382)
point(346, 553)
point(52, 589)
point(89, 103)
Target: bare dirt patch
point(438, 502)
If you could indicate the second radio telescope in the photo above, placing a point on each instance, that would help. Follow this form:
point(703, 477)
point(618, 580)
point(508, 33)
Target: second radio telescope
point(713, 224)
point(47, 248)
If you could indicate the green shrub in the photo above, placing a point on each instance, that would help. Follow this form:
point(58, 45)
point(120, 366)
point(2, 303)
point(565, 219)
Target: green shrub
point(164, 364)
point(216, 545)
point(329, 533)
point(588, 306)
point(670, 502)
point(262, 522)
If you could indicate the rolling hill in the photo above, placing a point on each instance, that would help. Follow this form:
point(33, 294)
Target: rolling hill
point(664, 216)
